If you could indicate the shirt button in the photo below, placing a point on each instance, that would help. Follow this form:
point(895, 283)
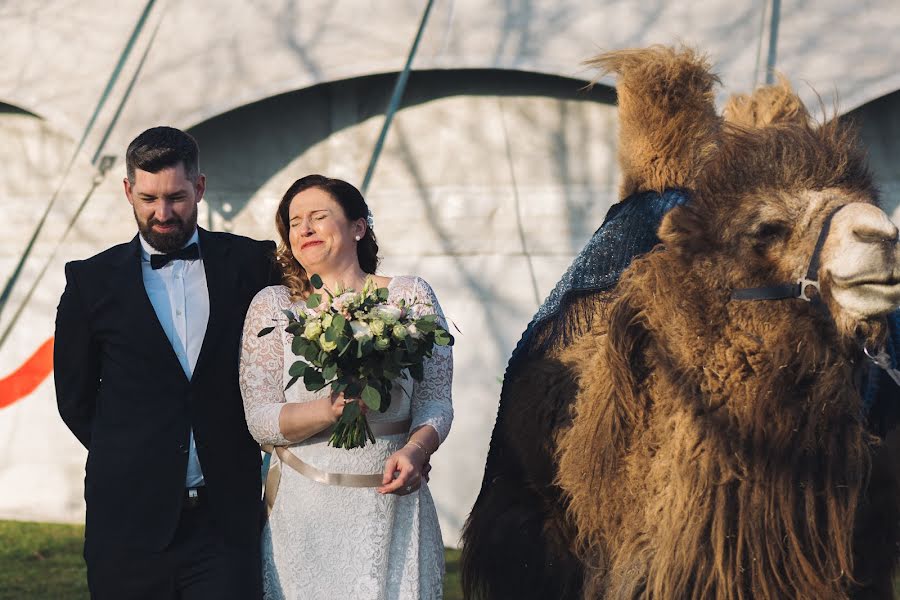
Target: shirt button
point(178, 311)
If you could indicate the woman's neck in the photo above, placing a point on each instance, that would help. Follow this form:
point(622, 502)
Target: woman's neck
point(348, 277)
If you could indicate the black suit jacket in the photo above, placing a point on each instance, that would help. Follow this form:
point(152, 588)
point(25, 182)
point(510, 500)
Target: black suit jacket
point(123, 393)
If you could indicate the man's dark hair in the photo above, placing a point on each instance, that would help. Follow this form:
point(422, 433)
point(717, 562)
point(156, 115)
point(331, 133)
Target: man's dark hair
point(162, 147)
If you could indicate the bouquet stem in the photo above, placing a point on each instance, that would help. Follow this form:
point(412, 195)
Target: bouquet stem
point(351, 431)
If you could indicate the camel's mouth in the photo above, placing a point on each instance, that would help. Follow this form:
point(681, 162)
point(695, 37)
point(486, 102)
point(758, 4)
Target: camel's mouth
point(875, 281)
point(869, 295)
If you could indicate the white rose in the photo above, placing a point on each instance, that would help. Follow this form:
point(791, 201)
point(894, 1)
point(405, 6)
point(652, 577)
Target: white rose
point(413, 331)
point(312, 330)
point(388, 313)
point(361, 331)
point(326, 345)
point(377, 326)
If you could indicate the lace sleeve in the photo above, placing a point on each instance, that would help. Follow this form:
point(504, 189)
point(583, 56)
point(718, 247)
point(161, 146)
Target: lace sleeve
point(431, 397)
point(261, 371)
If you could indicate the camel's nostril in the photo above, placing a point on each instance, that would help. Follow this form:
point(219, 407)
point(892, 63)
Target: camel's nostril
point(880, 234)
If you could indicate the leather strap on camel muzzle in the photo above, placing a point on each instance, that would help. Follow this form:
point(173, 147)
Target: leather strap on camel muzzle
point(803, 287)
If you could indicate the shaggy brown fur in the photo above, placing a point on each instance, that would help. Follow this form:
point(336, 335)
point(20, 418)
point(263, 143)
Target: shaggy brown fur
point(716, 448)
point(768, 104)
point(668, 125)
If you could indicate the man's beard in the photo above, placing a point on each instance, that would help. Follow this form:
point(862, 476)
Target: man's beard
point(170, 241)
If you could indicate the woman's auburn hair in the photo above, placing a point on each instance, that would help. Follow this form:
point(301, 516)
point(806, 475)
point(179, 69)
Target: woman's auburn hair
point(351, 201)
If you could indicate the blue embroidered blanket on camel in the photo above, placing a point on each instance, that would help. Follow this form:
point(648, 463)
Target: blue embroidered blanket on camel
point(629, 230)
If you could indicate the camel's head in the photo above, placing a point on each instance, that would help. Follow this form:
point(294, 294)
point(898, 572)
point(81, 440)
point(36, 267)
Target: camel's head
point(761, 206)
point(764, 180)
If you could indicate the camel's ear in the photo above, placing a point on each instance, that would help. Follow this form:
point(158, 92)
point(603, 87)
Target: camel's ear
point(668, 126)
point(683, 231)
point(767, 105)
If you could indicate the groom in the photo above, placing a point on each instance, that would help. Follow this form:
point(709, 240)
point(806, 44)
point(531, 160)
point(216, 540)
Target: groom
point(146, 353)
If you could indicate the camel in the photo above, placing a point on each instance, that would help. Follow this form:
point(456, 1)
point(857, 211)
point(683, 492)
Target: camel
point(700, 433)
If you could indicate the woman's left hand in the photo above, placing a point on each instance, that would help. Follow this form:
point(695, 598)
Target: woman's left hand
point(403, 471)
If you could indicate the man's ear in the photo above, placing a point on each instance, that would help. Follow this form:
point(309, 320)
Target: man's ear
point(200, 186)
point(129, 192)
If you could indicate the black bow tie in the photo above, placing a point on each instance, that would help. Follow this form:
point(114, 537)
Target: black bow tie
point(190, 252)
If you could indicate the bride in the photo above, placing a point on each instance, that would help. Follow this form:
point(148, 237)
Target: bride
point(348, 524)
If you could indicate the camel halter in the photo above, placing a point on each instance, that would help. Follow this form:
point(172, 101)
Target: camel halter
point(785, 291)
point(799, 288)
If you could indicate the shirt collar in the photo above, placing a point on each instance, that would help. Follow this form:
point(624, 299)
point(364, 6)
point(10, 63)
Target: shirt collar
point(147, 249)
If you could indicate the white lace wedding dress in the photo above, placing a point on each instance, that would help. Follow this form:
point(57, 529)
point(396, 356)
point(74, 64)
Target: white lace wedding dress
point(326, 541)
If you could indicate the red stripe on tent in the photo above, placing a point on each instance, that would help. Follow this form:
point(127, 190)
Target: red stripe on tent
point(27, 377)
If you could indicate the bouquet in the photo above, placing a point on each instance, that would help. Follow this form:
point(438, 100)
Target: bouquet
point(359, 344)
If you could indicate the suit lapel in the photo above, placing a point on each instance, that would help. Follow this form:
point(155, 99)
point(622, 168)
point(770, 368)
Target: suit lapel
point(220, 285)
point(144, 322)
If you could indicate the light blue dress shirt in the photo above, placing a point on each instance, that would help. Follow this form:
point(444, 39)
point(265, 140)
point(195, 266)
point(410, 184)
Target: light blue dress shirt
point(180, 298)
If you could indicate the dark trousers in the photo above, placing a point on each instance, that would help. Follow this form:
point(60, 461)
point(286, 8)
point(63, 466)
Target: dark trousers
point(198, 565)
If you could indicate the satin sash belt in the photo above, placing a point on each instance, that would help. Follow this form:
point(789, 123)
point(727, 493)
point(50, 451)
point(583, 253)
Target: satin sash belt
point(342, 479)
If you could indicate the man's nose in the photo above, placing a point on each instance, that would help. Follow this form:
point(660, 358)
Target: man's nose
point(163, 211)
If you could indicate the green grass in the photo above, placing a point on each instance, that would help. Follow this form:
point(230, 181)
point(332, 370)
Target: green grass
point(452, 585)
point(43, 561)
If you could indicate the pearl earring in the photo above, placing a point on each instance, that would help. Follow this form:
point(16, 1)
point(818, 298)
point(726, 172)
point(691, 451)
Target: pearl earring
point(358, 238)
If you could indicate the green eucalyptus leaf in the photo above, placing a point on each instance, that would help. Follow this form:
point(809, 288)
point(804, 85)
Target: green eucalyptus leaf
point(298, 369)
point(351, 411)
point(265, 331)
point(311, 352)
point(290, 315)
point(313, 380)
point(426, 326)
point(315, 281)
point(442, 338)
point(371, 397)
point(291, 382)
point(329, 372)
point(313, 301)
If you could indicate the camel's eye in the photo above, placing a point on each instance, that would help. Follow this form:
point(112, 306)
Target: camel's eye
point(770, 232)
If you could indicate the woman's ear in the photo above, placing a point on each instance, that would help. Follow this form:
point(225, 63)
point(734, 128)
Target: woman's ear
point(683, 231)
point(359, 228)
